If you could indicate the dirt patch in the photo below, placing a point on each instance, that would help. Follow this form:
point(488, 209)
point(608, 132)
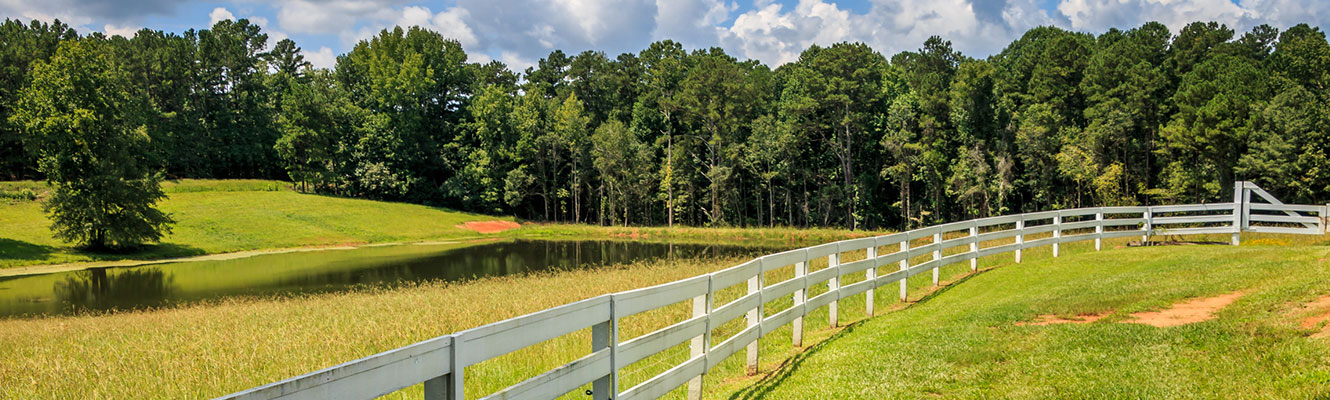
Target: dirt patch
point(1187, 312)
point(1050, 319)
point(1321, 307)
point(490, 226)
point(1174, 243)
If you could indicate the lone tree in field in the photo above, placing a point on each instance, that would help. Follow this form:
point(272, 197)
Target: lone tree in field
point(87, 128)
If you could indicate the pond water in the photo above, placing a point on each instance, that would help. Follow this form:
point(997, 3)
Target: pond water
point(162, 285)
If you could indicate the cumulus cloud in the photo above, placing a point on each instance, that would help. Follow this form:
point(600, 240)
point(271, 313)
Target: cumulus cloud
point(766, 30)
point(334, 16)
point(126, 31)
point(775, 35)
point(694, 23)
point(84, 12)
point(323, 58)
point(571, 25)
point(219, 14)
point(1100, 15)
point(449, 23)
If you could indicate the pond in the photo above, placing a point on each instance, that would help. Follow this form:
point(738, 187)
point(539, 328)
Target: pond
point(169, 284)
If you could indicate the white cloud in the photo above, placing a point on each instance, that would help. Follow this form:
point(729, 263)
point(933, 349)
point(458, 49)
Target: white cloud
point(323, 58)
point(691, 22)
point(334, 16)
point(126, 31)
point(534, 29)
point(776, 36)
point(515, 62)
point(1099, 15)
point(219, 14)
point(450, 23)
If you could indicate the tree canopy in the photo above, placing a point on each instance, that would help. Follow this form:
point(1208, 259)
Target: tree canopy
point(843, 136)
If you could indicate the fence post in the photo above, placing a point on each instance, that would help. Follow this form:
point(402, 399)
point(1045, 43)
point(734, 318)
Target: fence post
point(800, 270)
point(448, 387)
point(605, 335)
point(437, 388)
point(1149, 217)
point(1099, 230)
point(974, 248)
point(833, 284)
point(1020, 237)
point(1325, 218)
point(870, 275)
point(937, 255)
point(700, 344)
point(905, 264)
point(1057, 233)
point(1239, 211)
point(755, 318)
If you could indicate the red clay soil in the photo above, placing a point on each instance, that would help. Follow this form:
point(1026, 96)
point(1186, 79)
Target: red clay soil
point(1049, 319)
point(1187, 312)
point(1322, 309)
point(490, 226)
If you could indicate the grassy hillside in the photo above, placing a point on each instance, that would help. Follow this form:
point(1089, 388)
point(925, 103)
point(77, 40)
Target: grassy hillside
point(233, 215)
point(964, 342)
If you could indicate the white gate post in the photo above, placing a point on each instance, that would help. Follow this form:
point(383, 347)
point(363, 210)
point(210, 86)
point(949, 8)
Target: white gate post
point(800, 269)
point(937, 255)
point(870, 275)
point(833, 285)
point(1149, 218)
point(974, 248)
point(1238, 211)
point(1099, 230)
point(1057, 233)
point(755, 318)
point(700, 343)
point(905, 264)
point(1020, 237)
point(605, 335)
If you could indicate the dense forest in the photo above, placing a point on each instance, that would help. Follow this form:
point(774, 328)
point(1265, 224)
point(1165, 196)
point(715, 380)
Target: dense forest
point(844, 136)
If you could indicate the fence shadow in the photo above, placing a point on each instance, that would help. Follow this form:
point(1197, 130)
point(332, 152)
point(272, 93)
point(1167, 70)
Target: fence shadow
point(763, 387)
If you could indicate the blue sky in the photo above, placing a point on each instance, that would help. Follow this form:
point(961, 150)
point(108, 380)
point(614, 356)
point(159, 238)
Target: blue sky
point(773, 31)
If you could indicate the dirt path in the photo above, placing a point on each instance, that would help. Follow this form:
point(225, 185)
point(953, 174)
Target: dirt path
point(1186, 313)
point(1322, 308)
point(1049, 319)
point(490, 226)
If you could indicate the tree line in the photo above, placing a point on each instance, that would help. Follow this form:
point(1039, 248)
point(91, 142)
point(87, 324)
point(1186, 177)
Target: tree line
point(844, 136)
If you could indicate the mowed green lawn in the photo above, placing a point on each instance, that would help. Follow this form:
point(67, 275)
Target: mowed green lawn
point(219, 216)
point(963, 342)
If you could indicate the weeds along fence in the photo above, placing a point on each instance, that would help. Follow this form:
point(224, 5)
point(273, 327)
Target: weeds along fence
point(440, 362)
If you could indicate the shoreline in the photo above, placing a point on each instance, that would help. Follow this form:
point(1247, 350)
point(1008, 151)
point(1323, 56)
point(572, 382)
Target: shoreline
point(78, 266)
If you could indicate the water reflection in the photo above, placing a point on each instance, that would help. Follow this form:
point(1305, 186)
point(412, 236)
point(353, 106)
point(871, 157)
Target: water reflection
point(95, 289)
point(323, 271)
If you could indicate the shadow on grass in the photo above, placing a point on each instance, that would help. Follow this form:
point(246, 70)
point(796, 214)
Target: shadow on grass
point(11, 249)
point(143, 252)
point(763, 387)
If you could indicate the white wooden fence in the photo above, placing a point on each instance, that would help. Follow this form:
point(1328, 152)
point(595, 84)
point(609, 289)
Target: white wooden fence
point(440, 362)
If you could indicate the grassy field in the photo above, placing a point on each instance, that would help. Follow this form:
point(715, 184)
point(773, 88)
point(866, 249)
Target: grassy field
point(233, 215)
point(964, 342)
point(959, 342)
point(209, 349)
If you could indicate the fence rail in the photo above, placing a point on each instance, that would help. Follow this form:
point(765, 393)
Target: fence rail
point(440, 362)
